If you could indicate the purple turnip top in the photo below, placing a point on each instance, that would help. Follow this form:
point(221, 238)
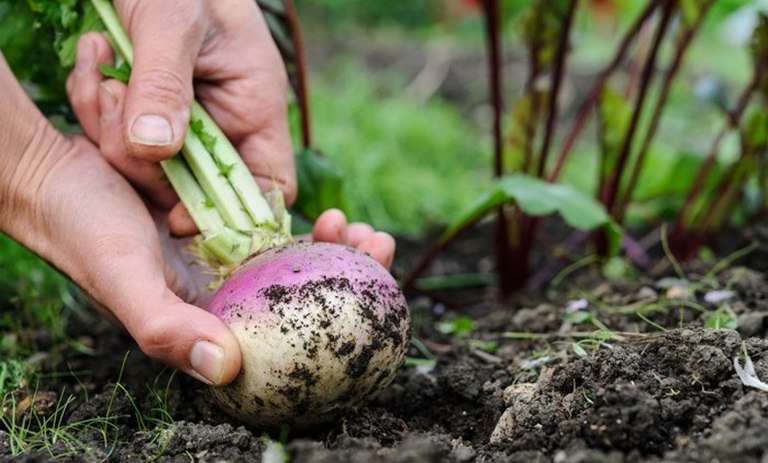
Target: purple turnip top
point(322, 327)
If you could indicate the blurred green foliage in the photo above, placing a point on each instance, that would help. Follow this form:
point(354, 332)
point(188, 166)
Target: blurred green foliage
point(413, 16)
point(33, 296)
point(406, 165)
point(30, 52)
point(24, 277)
point(411, 13)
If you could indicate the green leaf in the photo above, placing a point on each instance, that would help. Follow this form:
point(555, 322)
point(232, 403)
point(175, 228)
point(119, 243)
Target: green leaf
point(541, 29)
point(690, 11)
point(320, 184)
point(579, 317)
point(13, 374)
point(29, 54)
point(668, 174)
point(579, 350)
point(722, 318)
point(24, 277)
point(39, 38)
point(759, 49)
point(68, 19)
point(208, 140)
point(121, 73)
point(459, 326)
point(536, 197)
point(755, 132)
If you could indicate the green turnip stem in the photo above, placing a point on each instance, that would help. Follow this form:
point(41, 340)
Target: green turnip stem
point(213, 182)
point(220, 243)
point(193, 197)
point(208, 174)
point(111, 21)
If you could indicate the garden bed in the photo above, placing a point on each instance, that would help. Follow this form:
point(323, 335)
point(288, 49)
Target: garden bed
point(595, 369)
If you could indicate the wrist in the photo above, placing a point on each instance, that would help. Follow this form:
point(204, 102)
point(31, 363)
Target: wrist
point(29, 144)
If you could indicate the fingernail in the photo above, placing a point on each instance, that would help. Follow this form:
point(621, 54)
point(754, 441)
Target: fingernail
point(207, 359)
point(107, 102)
point(85, 56)
point(151, 130)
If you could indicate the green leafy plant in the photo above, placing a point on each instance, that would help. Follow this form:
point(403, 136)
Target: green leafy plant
point(462, 327)
point(626, 102)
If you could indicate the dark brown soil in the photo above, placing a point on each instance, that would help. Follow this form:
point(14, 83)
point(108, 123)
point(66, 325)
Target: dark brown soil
point(661, 387)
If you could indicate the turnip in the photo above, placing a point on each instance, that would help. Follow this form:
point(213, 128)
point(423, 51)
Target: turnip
point(322, 327)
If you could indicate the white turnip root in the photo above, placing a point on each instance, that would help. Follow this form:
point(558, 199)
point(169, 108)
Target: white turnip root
point(322, 328)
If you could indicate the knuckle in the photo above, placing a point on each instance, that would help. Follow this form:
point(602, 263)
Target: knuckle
point(78, 99)
point(163, 88)
point(112, 152)
point(155, 339)
point(290, 189)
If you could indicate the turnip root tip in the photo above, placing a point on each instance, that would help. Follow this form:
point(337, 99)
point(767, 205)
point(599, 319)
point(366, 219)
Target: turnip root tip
point(322, 328)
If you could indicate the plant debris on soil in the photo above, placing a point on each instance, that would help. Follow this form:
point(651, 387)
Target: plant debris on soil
point(640, 368)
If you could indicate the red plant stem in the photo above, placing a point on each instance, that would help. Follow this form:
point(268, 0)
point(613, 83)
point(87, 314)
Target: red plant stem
point(491, 16)
point(721, 197)
point(590, 101)
point(611, 188)
point(505, 267)
point(516, 224)
point(682, 47)
point(530, 226)
point(557, 78)
point(686, 234)
point(530, 89)
point(300, 86)
point(732, 120)
point(409, 281)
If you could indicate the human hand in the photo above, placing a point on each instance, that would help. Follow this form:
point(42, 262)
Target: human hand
point(225, 51)
point(62, 200)
point(219, 52)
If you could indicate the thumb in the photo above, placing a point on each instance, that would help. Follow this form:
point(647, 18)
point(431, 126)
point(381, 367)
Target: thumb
point(190, 339)
point(168, 329)
point(166, 41)
point(182, 336)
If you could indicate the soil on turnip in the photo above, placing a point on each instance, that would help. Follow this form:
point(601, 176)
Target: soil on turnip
point(525, 385)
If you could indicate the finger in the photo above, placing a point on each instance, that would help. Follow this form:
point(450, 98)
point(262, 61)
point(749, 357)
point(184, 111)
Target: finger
point(144, 175)
point(331, 227)
point(358, 232)
point(259, 130)
point(380, 246)
point(271, 161)
point(133, 285)
point(172, 331)
point(166, 42)
point(184, 336)
point(261, 135)
point(192, 283)
point(83, 82)
point(122, 266)
point(180, 223)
